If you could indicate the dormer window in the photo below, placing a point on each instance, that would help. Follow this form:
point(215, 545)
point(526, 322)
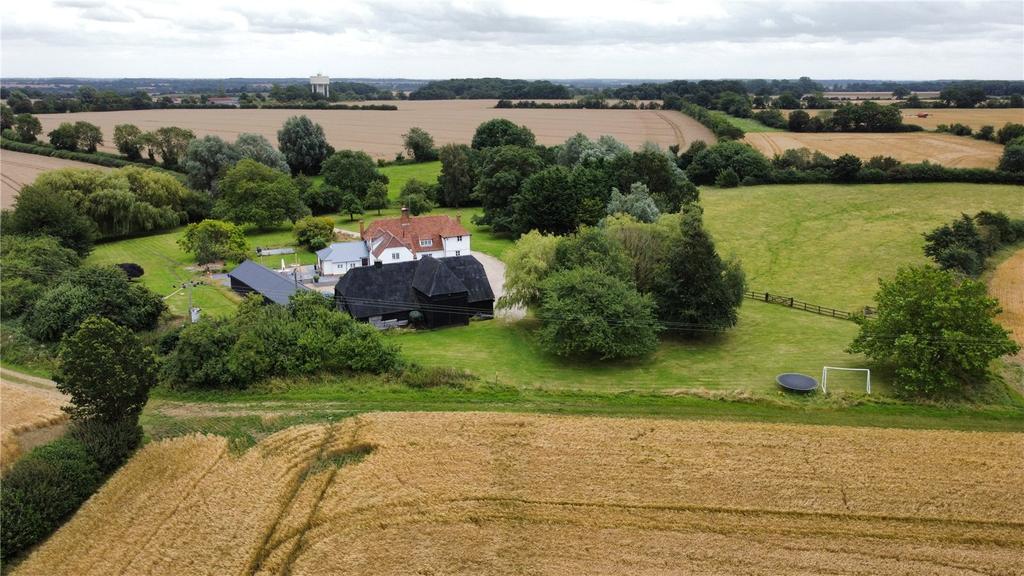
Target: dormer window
point(426, 243)
point(458, 238)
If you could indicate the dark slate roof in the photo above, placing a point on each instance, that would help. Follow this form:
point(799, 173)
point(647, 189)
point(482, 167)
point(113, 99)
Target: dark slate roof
point(389, 288)
point(432, 278)
point(265, 281)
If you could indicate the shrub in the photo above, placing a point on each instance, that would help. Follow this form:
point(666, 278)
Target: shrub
point(109, 444)
point(727, 179)
point(742, 158)
point(985, 133)
point(845, 168)
point(1009, 131)
point(958, 129)
point(314, 232)
point(1012, 159)
point(41, 490)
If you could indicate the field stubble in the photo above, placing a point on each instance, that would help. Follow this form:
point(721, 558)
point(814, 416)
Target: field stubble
point(508, 494)
point(26, 411)
point(379, 133)
point(18, 169)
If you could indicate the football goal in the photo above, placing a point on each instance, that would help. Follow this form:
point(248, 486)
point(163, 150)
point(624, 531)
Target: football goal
point(824, 376)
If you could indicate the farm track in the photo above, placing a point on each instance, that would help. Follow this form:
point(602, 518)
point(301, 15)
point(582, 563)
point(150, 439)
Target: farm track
point(487, 493)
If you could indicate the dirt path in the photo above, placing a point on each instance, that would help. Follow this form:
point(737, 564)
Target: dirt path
point(496, 275)
point(1007, 285)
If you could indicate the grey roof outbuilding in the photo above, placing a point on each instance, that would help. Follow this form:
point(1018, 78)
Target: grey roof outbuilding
point(354, 251)
point(249, 277)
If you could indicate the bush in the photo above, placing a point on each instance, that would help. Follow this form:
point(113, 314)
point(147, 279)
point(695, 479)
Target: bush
point(1009, 131)
point(1012, 159)
point(959, 129)
point(109, 444)
point(212, 240)
point(727, 179)
point(314, 232)
point(41, 490)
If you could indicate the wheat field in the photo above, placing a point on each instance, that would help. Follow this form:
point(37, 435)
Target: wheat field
point(479, 493)
point(25, 409)
point(946, 149)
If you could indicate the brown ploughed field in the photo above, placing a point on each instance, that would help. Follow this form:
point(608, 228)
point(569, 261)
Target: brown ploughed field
point(379, 133)
point(481, 493)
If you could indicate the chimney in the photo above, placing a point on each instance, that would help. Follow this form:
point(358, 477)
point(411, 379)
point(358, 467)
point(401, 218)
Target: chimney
point(362, 228)
point(405, 214)
point(458, 217)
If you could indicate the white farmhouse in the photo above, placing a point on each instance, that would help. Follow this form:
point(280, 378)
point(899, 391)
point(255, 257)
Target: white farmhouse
point(410, 238)
point(394, 240)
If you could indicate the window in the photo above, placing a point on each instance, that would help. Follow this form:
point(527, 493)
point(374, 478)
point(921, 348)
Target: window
point(426, 243)
point(395, 255)
point(458, 252)
point(458, 238)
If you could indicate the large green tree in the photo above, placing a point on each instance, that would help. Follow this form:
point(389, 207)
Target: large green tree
point(251, 193)
point(42, 210)
point(527, 263)
point(937, 330)
point(256, 147)
point(106, 371)
point(27, 127)
point(207, 159)
point(351, 171)
point(314, 232)
point(502, 171)
point(128, 140)
point(547, 202)
point(696, 289)
point(456, 178)
point(212, 240)
point(420, 145)
point(586, 313)
point(502, 132)
point(303, 144)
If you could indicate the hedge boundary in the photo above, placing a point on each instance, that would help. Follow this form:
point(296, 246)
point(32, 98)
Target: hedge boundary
point(97, 158)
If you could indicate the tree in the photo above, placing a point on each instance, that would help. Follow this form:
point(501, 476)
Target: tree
point(27, 127)
point(89, 136)
point(1012, 159)
point(590, 247)
point(788, 101)
point(6, 117)
point(106, 371)
point(303, 144)
point(668, 185)
point(502, 171)
point(256, 147)
point(87, 291)
point(502, 132)
point(351, 171)
point(939, 332)
point(727, 178)
point(171, 143)
point(41, 210)
point(742, 158)
point(456, 178)
point(957, 246)
point(696, 288)
point(798, 121)
point(314, 232)
point(846, 168)
point(586, 313)
point(128, 140)
point(212, 240)
point(322, 199)
point(376, 196)
point(251, 193)
point(420, 145)
point(1009, 131)
point(638, 203)
point(547, 202)
point(527, 263)
point(64, 137)
point(350, 205)
point(207, 159)
point(901, 92)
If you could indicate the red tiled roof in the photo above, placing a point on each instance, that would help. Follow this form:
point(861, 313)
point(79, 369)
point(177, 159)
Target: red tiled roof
point(408, 232)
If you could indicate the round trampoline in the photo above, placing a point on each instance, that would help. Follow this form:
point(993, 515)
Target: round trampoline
point(797, 382)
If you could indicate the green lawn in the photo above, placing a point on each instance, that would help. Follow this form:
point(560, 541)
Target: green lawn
point(745, 124)
point(829, 244)
point(399, 174)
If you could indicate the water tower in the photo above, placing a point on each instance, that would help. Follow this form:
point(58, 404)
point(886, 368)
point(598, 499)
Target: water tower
point(320, 84)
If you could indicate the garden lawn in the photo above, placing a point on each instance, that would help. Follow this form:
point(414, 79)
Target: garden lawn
point(769, 340)
point(167, 266)
point(745, 124)
point(829, 244)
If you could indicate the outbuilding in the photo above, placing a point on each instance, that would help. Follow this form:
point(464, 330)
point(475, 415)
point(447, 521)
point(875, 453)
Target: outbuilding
point(250, 277)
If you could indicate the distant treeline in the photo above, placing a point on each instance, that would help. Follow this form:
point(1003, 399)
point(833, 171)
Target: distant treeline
point(340, 91)
point(585, 103)
point(990, 87)
point(491, 88)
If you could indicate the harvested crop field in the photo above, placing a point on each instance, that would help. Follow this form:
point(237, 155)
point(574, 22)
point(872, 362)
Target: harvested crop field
point(18, 169)
point(946, 149)
point(27, 412)
point(973, 117)
point(477, 493)
point(379, 133)
point(1007, 285)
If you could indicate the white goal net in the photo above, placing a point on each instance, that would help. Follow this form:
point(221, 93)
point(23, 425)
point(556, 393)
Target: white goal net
point(824, 376)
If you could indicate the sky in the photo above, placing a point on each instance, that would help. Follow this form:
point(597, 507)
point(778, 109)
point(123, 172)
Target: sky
point(659, 39)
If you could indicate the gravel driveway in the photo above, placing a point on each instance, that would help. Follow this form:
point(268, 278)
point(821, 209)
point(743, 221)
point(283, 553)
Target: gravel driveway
point(496, 275)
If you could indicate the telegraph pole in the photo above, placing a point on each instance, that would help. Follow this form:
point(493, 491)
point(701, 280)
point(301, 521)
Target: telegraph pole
point(193, 313)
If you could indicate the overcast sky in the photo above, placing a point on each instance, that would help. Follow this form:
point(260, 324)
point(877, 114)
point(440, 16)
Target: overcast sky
point(513, 38)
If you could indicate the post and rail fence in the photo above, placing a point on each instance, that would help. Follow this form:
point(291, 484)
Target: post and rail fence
point(791, 302)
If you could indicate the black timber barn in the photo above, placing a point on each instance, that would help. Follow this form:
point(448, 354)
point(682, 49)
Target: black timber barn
point(447, 291)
